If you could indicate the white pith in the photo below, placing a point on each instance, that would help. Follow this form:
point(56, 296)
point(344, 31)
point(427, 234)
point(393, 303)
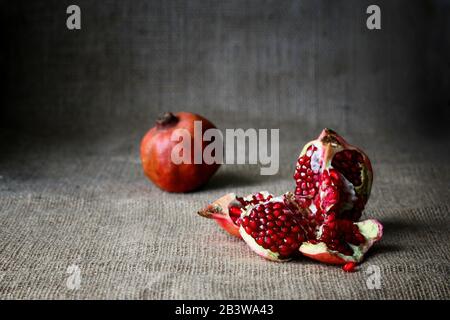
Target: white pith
point(315, 161)
point(265, 253)
point(350, 192)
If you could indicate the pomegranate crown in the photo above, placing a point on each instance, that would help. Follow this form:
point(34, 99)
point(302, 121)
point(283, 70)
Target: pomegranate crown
point(166, 120)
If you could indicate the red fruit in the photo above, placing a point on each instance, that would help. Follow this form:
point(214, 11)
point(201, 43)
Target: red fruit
point(333, 176)
point(346, 242)
point(156, 151)
point(333, 184)
point(227, 210)
point(272, 230)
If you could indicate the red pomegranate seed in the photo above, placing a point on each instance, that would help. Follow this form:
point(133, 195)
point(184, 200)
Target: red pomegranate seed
point(236, 211)
point(277, 206)
point(259, 197)
point(349, 267)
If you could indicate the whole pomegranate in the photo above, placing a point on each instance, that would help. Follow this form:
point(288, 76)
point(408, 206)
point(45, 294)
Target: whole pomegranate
point(156, 154)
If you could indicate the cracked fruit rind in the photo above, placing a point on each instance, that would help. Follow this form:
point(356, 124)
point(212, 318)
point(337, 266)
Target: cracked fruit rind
point(371, 229)
point(227, 210)
point(332, 175)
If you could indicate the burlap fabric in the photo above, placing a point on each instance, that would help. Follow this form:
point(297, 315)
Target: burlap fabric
point(77, 104)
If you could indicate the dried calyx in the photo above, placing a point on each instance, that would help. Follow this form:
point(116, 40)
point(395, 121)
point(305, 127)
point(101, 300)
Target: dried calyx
point(166, 120)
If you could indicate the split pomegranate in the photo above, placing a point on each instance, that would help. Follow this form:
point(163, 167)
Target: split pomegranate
point(156, 154)
point(272, 230)
point(228, 209)
point(333, 183)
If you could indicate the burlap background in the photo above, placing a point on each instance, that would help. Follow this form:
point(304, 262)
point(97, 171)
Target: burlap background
point(76, 104)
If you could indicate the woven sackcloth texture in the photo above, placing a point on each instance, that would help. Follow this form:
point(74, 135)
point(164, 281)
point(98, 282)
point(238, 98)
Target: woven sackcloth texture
point(76, 104)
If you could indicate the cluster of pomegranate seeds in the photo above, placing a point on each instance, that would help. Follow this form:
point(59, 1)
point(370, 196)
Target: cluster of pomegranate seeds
point(349, 162)
point(307, 177)
point(308, 220)
point(274, 227)
point(235, 209)
point(329, 189)
point(338, 233)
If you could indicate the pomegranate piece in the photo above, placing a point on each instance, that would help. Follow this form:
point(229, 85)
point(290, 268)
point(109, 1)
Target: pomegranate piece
point(334, 176)
point(333, 181)
point(272, 230)
point(227, 210)
point(345, 241)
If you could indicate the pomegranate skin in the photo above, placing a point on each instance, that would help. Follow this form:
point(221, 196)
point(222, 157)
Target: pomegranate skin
point(156, 149)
